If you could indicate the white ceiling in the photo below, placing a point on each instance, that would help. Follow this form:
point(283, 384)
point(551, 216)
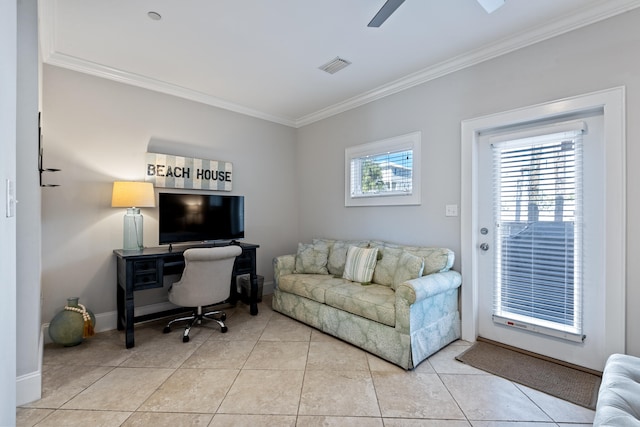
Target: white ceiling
point(261, 57)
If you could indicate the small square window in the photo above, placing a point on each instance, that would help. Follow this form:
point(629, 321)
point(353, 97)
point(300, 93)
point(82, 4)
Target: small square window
point(383, 172)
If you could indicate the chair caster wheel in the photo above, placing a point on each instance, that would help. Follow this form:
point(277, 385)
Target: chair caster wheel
point(224, 329)
point(166, 330)
point(223, 316)
point(185, 339)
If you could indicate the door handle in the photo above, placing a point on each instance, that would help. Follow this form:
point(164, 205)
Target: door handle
point(484, 246)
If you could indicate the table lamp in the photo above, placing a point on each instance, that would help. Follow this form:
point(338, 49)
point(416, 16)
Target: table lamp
point(133, 196)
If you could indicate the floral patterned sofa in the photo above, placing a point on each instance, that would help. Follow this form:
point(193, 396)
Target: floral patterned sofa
point(397, 302)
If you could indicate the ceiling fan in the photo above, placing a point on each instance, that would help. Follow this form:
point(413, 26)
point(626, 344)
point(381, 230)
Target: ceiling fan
point(391, 5)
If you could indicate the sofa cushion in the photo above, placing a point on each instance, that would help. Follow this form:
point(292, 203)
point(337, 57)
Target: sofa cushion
point(409, 267)
point(338, 253)
point(312, 258)
point(312, 286)
point(360, 264)
point(374, 302)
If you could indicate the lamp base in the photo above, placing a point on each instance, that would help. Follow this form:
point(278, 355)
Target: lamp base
point(132, 230)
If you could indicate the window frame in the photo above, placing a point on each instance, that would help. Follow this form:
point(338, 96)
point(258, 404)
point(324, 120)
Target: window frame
point(409, 142)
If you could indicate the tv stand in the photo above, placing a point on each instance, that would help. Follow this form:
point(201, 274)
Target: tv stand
point(146, 268)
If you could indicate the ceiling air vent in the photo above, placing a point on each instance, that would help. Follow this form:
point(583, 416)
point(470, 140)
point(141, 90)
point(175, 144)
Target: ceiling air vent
point(334, 65)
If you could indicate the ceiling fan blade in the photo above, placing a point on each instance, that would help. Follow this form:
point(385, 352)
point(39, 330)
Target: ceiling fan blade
point(385, 12)
point(491, 5)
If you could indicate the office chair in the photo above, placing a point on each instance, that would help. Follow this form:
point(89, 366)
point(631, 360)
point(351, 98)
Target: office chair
point(206, 280)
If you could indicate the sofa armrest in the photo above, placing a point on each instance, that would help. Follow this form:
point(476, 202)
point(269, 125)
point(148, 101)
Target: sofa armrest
point(283, 265)
point(619, 394)
point(426, 286)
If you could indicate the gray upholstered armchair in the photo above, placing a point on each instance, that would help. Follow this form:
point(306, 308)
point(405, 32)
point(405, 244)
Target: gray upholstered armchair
point(206, 280)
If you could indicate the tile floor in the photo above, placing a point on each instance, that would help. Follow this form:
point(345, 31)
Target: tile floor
point(269, 370)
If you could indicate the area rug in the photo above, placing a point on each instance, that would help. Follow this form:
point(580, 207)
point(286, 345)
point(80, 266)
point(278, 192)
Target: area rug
point(547, 376)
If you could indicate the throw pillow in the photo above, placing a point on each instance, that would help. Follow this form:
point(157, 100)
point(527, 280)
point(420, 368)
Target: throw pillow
point(435, 259)
point(338, 255)
point(312, 258)
point(409, 267)
point(360, 264)
point(386, 267)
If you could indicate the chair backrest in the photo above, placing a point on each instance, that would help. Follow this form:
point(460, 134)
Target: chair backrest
point(206, 278)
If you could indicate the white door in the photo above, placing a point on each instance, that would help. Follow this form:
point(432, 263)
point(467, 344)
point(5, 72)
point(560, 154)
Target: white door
point(541, 219)
point(8, 67)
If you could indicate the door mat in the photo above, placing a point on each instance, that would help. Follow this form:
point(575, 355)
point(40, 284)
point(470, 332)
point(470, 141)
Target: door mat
point(567, 383)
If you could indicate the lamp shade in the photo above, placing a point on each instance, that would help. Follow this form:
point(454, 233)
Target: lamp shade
point(127, 194)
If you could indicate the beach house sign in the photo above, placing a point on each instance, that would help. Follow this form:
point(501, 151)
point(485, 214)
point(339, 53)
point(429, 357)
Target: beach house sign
point(168, 171)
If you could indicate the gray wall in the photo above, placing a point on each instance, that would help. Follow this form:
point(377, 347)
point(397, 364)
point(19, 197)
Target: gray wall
point(28, 220)
point(597, 57)
point(98, 131)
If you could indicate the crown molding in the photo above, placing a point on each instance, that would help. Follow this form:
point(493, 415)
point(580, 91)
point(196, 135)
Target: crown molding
point(50, 56)
point(98, 70)
point(46, 28)
point(552, 29)
point(603, 10)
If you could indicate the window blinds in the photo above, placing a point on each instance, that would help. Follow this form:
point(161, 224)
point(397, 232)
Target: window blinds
point(537, 186)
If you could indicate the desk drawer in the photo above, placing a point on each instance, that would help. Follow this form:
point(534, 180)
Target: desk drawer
point(147, 274)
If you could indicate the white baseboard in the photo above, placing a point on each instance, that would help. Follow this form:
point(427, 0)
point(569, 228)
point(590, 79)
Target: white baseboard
point(29, 386)
point(109, 321)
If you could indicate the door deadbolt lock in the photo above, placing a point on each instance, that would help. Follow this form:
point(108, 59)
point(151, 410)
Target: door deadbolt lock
point(484, 231)
point(484, 246)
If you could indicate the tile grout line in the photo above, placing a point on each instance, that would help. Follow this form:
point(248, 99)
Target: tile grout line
point(263, 331)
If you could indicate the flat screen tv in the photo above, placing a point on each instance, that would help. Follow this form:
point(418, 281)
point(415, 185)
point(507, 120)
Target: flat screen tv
point(200, 217)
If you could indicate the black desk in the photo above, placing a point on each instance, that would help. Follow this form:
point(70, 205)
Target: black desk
point(145, 269)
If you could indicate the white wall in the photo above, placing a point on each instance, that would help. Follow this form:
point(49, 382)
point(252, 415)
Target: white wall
point(8, 67)
point(98, 131)
point(597, 57)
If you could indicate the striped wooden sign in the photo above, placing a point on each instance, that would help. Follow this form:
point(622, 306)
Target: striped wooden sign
point(169, 171)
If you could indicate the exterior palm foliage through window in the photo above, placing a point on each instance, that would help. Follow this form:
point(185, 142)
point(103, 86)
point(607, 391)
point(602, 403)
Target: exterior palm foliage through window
point(389, 173)
point(384, 172)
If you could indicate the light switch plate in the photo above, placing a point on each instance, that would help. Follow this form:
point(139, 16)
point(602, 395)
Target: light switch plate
point(451, 210)
point(11, 199)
